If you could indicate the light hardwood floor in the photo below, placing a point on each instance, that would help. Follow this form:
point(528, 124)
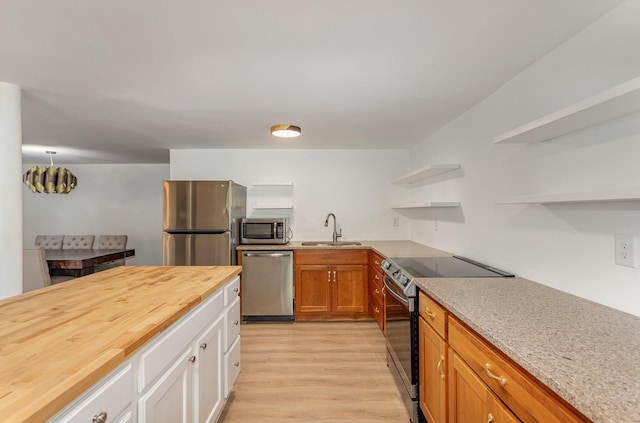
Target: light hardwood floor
point(314, 372)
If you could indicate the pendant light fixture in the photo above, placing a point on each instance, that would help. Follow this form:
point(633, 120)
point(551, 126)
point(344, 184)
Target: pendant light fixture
point(50, 180)
point(285, 131)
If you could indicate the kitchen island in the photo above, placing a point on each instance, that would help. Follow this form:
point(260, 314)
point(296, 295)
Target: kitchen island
point(57, 342)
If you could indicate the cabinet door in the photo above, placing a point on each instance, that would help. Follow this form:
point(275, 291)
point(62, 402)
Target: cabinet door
point(170, 399)
point(433, 381)
point(312, 288)
point(349, 289)
point(470, 400)
point(209, 378)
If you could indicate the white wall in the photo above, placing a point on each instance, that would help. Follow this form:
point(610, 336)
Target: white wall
point(353, 184)
point(567, 246)
point(109, 199)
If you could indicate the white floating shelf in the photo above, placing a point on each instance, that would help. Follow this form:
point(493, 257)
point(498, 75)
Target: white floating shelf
point(276, 184)
point(627, 194)
point(433, 204)
point(613, 103)
point(263, 207)
point(426, 172)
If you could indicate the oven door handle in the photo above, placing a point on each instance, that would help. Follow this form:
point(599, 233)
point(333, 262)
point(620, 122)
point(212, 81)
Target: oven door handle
point(397, 297)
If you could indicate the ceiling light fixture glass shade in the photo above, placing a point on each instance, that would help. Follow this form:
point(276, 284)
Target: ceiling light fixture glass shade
point(286, 131)
point(50, 180)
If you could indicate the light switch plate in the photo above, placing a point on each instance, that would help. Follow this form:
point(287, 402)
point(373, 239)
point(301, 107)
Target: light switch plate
point(625, 250)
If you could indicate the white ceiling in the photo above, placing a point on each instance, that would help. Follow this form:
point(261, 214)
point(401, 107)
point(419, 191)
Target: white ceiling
point(123, 81)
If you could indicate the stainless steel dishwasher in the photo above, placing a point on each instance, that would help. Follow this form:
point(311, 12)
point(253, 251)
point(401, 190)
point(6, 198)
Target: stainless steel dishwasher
point(267, 285)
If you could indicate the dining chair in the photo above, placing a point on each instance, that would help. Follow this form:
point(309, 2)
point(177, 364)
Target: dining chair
point(112, 242)
point(49, 242)
point(35, 272)
point(78, 242)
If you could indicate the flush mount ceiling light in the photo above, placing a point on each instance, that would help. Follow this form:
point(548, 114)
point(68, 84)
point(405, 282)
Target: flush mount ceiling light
point(285, 131)
point(50, 180)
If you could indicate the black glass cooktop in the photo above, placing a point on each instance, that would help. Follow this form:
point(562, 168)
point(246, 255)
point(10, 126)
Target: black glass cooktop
point(447, 267)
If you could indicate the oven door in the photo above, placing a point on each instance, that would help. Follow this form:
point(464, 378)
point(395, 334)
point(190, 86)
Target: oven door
point(398, 332)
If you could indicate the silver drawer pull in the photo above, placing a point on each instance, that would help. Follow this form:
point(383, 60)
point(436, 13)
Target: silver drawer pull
point(192, 359)
point(489, 418)
point(204, 346)
point(236, 290)
point(237, 364)
point(487, 369)
point(377, 310)
point(101, 417)
point(377, 291)
point(429, 313)
point(439, 367)
point(236, 323)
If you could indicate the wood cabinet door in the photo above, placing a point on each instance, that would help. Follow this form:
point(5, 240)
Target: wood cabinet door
point(433, 371)
point(210, 373)
point(312, 285)
point(349, 289)
point(470, 400)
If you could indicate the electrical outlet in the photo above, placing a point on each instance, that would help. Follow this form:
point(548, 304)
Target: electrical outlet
point(625, 250)
point(396, 220)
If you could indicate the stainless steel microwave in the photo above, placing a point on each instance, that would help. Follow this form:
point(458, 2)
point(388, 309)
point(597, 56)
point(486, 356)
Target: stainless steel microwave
point(264, 231)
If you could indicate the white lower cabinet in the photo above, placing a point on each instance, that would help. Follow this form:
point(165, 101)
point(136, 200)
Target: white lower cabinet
point(184, 375)
point(209, 373)
point(170, 398)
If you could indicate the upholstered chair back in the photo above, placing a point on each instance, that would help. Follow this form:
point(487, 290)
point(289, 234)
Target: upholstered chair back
point(35, 272)
point(49, 242)
point(112, 242)
point(78, 242)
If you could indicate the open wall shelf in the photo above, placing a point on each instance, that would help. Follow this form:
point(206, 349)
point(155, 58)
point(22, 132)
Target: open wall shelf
point(433, 204)
point(426, 172)
point(276, 184)
point(613, 103)
point(626, 194)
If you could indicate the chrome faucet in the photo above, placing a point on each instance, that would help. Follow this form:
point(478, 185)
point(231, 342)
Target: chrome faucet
point(336, 234)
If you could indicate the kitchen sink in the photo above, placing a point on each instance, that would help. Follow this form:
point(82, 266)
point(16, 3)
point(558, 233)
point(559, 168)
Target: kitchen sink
point(330, 244)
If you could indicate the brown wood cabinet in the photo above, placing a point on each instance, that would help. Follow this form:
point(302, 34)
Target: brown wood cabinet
point(376, 291)
point(480, 383)
point(331, 284)
point(433, 374)
point(470, 400)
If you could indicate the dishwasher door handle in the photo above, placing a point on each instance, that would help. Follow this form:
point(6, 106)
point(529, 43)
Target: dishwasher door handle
point(275, 255)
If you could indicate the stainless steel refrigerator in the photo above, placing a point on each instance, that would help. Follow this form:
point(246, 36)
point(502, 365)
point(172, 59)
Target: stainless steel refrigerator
point(201, 222)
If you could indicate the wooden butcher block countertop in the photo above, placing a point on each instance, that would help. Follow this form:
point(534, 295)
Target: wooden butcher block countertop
point(57, 342)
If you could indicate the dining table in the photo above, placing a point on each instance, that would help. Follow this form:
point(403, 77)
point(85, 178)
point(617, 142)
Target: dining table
point(83, 262)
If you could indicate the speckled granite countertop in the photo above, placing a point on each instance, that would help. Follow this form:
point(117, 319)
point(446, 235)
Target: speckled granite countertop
point(587, 353)
point(385, 248)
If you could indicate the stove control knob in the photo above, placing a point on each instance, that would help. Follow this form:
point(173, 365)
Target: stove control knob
point(385, 264)
point(404, 280)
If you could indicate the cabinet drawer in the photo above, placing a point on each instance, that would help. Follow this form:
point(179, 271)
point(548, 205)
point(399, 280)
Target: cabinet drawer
point(112, 397)
point(231, 290)
point(231, 323)
point(376, 278)
point(375, 260)
point(376, 293)
point(527, 397)
point(163, 350)
point(331, 257)
point(433, 314)
point(377, 310)
point(232, 367)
